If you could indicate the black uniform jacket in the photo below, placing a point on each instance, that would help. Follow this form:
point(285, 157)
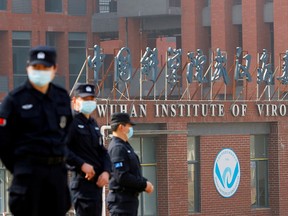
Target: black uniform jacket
point(33, 124)
point(126, 168)
point(85, 144)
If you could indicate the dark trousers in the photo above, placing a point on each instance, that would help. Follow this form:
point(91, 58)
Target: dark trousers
point(40, 190)
point(122, 204)
point(86, 196)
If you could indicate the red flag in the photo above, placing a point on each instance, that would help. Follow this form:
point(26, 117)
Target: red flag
point(2, 122)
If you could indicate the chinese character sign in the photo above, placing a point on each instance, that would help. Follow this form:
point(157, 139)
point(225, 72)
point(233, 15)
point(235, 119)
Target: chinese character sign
point(200, 61)
point(264, 72)
point(242, 70)
point(96, 62)
point(197, 62)
point(190, 67)
point(149, 63)
point(122, 65)
point(220, 67)
point(173, 65)
point(284, 77)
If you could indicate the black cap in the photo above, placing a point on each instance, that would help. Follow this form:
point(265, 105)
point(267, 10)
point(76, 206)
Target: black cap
point(84, 90)
point(45, 55)
point(118, 118)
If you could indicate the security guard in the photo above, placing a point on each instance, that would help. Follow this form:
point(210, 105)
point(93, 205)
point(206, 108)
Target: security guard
point(88, 157)
point(127, 181)
point(34, 120)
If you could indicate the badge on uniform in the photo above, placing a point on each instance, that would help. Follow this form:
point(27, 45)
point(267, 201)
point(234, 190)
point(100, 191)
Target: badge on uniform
point(2, 122)
point(63, 121)
point(27, 106)
point(118, 165)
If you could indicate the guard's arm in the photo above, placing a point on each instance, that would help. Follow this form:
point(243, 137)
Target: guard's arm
point(6, 129)
point(121, 167)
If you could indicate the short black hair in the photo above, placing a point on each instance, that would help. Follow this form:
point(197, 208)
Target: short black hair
point(114, 127)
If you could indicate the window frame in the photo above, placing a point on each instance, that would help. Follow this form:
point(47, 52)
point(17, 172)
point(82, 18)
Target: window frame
point(196, 164)
point(59, 6)
point(256, 160)
point(140, 142)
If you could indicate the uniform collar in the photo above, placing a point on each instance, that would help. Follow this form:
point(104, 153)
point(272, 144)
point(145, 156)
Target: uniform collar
point(37, 93)
point(122, 141)
point(82, 117)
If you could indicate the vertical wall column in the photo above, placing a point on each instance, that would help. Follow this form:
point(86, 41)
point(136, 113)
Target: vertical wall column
point(280, 39)
point(280, 184)
point(255, 38)
point(194, 36)
point(5, 63)
point(274, 171)
point(130, 36)
point(224, 36)
point(63, 57)
point(177, 169)
point(162, 173)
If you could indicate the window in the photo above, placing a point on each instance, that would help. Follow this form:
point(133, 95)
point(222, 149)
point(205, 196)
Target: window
point(174, 3)
point(2, 189)
point(77, 56)
point(76, 7)
point(259, 171)
point(53, 39)
point(54, 6)
point(207, 3)
point(5, 182)
point(237, 2)
point(20, 45)
point(193, 159)
point(145, 149)
point(20, 6)
point(3, 4)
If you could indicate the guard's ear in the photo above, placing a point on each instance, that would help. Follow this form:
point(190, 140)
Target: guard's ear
point(74, 103)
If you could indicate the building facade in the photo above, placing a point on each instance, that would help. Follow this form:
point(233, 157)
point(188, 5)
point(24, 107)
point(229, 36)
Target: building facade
point(211, 116)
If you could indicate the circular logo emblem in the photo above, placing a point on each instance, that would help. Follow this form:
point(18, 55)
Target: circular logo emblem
point(226, 172)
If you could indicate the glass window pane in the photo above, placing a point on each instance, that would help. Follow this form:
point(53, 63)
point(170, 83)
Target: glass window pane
point(135, 143)
point(262, 183)
point(191, 186)
point(2, 190)
point(77, 7)
point(253, 183)
point(53, 6)
point(193, 174)
point(252, 146)
point(259, 171)
point(149, 155)
point(3, 4)
point(77, 56)
point(20, 6)
point(191, 149)
point(149, 201)
point(20, 46)
point(258, 146)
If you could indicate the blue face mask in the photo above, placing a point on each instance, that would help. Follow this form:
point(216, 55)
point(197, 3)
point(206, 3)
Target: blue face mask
point(40, 77)
point(130, 133)
point(87, 107)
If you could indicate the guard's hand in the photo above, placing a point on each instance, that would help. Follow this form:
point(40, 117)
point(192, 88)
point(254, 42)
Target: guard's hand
point(88, 170)
point(149, 188)
point(103, 179)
